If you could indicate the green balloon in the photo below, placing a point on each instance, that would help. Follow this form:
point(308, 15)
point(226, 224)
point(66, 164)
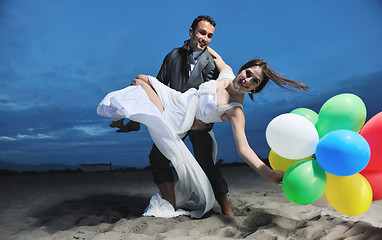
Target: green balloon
point(304, 182)
point(311, 115)
point(343, 111)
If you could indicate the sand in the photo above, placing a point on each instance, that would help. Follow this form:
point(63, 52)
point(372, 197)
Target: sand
point(109, 206)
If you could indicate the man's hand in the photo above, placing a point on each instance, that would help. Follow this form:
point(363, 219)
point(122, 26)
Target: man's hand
point(199, 125)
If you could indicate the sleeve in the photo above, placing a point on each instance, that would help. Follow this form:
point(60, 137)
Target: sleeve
point(227, 74)
point(213, 74)
point(163, 75)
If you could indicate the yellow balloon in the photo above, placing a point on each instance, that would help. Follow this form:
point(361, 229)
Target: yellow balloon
point(350, 195)
point(280, 163)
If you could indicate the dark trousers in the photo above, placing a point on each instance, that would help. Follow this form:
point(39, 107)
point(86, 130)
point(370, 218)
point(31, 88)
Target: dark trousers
point(202, 145)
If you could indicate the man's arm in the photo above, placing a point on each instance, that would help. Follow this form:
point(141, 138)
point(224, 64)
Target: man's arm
point(163, 75)
point(213, 74)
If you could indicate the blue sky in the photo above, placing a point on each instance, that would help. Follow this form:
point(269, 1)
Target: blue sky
point(59, 58)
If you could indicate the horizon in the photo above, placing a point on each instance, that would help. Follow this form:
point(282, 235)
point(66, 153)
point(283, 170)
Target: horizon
point(7, 168)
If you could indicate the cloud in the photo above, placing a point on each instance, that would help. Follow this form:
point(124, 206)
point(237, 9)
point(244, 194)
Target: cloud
point(8, 152)
point(37, 136)
point(5, 138)
point(92, 130)
point(4, 101)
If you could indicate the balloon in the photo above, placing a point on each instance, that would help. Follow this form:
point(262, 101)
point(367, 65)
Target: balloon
point(343, 111)
point(292, 136)
point(375, 180)
point(279, 163)
point(372, 132)
point(350, 195)
point(311, 115)
point(304, 182)
point(343, 152)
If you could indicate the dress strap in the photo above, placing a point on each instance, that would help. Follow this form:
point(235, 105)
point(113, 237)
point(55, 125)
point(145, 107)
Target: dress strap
point(223, 109)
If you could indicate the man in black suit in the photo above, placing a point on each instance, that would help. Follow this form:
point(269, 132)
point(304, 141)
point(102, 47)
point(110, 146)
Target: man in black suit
point(184, 68)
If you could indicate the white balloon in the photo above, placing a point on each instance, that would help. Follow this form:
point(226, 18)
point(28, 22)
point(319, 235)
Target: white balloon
point(292, 136)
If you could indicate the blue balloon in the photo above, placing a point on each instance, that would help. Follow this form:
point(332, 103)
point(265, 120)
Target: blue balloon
point(343, 152)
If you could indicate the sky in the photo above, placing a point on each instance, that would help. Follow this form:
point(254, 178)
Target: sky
point(58, 59)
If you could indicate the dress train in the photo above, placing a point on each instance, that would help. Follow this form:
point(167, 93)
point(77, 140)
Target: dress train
point(133, 103)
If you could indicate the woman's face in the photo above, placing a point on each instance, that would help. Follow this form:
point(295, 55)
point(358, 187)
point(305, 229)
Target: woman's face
point(248, 79)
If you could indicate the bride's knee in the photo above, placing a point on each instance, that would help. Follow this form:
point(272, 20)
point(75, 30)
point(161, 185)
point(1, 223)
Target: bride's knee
point(143, 77)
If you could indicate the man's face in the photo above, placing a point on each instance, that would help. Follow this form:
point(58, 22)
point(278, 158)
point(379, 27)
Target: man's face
point(201, 36)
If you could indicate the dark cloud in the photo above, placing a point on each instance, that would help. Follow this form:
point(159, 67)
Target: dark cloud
point(5, 101)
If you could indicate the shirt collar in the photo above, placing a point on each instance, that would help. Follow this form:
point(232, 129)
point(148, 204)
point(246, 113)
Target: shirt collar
point(197, 54)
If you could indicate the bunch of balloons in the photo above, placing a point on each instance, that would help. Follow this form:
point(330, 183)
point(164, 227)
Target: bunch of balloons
point(331, 155)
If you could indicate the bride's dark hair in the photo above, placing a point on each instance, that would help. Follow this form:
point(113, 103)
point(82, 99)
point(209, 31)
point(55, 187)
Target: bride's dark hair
point(269, 74)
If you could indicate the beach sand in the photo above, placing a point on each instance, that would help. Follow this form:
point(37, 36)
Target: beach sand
point(109, 205)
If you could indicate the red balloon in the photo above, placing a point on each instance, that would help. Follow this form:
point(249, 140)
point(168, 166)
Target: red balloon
point(372, 132)
point(375, 180)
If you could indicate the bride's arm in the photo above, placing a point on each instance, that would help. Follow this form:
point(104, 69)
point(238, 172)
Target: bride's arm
point(219, 62)
point(244, 150)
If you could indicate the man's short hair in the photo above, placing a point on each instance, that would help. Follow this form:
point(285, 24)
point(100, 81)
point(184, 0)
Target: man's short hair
point(202, 18)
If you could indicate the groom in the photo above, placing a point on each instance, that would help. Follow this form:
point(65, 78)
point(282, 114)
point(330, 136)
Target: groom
point(184, 68)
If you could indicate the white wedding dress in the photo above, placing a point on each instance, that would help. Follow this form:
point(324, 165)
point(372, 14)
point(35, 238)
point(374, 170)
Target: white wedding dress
point(166, 130)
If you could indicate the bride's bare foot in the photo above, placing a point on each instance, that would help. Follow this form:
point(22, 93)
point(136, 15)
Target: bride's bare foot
point(130, 126)
point(116, 124)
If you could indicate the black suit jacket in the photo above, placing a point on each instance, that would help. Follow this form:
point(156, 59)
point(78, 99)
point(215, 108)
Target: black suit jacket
point(175, 68)
point(175, 71)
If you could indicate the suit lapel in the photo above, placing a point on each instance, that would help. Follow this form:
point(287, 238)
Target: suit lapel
point(199, 67)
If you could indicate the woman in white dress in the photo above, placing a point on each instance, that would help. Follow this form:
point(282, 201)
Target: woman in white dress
point(169, 114)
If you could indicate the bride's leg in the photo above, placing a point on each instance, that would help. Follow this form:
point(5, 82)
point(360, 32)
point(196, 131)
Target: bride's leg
point(143, 81)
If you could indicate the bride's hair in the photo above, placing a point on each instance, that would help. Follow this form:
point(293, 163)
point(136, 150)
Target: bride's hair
point(269, 74)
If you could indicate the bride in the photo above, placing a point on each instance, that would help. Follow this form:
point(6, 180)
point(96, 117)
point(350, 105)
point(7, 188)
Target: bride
point(169, 114)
